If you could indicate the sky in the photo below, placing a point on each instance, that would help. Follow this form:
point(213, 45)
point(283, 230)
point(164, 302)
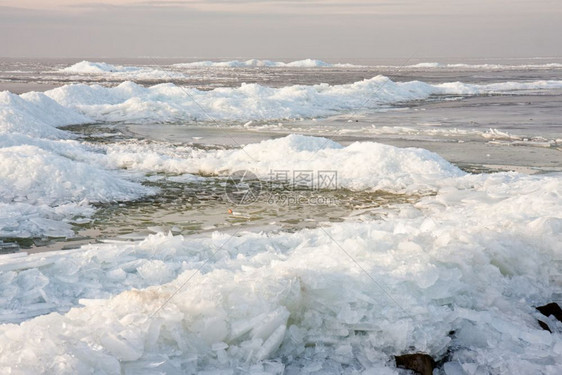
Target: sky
point(329, 29)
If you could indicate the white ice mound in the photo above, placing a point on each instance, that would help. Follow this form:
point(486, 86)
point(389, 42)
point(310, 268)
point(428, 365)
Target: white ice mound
point(426, 65)
point(80, 95)
point(46, 183)
point(97, 67)
point(290, 144)
point(46, 179)
point(170, 103)
point(310, 63)
point(253, 63)
point(120, 71)
point(35, 176)
point(359, 166)
point(35, 114)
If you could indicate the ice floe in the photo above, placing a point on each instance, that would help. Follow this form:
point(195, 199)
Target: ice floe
point(256, 63)
point(437, 65)
point(170, 103)
point(120, 71)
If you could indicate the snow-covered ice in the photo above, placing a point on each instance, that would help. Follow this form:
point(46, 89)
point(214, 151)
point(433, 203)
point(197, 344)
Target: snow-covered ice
point(437, 65)
point(474, 259)
point(41, 190)
point(35, 114)
point(255, 63)
point(46, 177)
point(314, 63)
point(170, 103)
point(120, 71)
point(382, 167)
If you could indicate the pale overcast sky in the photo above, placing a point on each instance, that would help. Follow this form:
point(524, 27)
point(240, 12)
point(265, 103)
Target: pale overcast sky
point(331, 29)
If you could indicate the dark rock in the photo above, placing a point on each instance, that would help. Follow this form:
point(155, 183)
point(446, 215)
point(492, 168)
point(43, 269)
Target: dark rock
point(551, 309)
point(419, 362)
point(544, 326)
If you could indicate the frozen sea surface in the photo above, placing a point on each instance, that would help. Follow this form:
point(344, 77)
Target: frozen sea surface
point(440, 233)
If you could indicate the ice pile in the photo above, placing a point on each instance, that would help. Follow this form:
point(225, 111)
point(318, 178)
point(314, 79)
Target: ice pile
point(385, 168)
point(78, 103)
point(36, 115)
point(170, 103)
point(98, 67)
point(359, 166)
point(120, 71)
point(37, 176)
point(456, 276)
point(255, 63)
point(399, 170)
point(46, 178)
point(41, 191)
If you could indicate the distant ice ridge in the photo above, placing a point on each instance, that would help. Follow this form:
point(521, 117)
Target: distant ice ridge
point(485, 66)
point(120, 71)
point(255, 63)
point(170, 103)
point(38, 114)
point(460, 271)
point(98, 67)
point(312, 63)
